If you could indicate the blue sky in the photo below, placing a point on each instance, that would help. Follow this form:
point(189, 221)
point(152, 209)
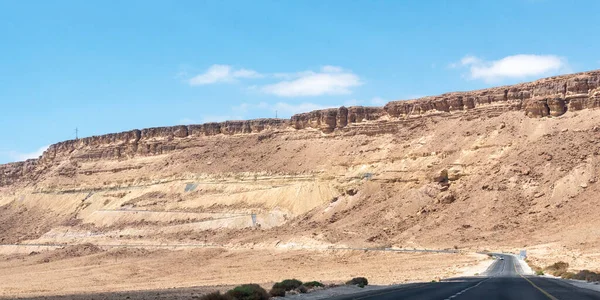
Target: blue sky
point(109, 66)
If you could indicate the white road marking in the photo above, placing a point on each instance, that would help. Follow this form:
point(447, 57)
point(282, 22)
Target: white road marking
point(471, 287)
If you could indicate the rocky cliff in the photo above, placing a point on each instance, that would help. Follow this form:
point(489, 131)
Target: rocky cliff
point(545, 97)
point(552, 96)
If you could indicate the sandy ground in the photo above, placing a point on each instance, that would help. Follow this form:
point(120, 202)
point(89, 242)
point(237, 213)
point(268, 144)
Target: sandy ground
point(90, 270)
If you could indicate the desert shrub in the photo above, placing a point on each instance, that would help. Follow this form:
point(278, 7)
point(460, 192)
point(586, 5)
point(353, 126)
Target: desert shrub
point(313, 284)
point(248, 292)
point(536, 269)
point(558, 268)
point(216, 296)
point(277, 292)
point(587, 275)
point(568, 275)
point(288, 284)
point(360, 281)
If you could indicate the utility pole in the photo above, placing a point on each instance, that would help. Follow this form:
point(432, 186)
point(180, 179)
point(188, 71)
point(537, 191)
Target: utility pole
point(76, 133)
point(275, 114)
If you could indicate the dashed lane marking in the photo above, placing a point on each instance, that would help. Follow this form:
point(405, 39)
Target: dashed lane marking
point(388, 292)
point(471, 287)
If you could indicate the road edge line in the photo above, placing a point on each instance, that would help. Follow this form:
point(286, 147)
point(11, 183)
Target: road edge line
point(534, 285)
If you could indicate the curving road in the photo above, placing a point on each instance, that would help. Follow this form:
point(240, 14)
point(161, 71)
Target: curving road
point(502, 281)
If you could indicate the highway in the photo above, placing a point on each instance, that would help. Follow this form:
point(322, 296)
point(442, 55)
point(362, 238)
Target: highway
point(502, 281)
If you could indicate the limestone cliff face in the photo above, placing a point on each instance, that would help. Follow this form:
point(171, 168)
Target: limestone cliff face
point(545, 97)
point(327, 120)
point(12, 172)
point(552, 96)
point(150, 141)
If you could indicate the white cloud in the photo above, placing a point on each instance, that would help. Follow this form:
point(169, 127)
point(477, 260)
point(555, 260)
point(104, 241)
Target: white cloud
point(331, 80)
point(245, 73)
point(222, 73)
point(469, 60)
point(19, 156)
point(512, 67)
point(292, 75)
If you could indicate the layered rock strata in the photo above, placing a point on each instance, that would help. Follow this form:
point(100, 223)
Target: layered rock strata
point(552, 96)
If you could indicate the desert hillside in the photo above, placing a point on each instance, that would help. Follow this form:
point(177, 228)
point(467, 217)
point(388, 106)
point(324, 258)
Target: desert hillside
point(506, 168)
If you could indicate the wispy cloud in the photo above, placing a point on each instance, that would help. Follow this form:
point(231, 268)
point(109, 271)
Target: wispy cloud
point(330, 80)
point(518, 66)
point(21, 156)
point(222, 73)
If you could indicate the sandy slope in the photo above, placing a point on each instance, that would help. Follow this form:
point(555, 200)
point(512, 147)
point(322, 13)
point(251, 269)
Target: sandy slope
point(493, 181)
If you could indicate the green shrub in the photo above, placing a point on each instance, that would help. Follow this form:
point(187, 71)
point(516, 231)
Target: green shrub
point(216, 296)
point(277, 292)
point(539, 272)
point(248, 292)
point(288, 284)
point(358, 281)
point(313, 284)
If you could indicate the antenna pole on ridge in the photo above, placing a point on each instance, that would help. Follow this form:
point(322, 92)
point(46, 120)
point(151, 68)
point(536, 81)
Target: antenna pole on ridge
point(76, 133)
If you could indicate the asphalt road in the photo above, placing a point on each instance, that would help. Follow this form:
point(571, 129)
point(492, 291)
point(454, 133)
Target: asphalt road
point(502, 281)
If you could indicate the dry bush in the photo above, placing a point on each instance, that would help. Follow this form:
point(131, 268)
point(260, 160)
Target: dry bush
point(216, 296)
point(360, 281)
point(586, 275)
point(557, 269)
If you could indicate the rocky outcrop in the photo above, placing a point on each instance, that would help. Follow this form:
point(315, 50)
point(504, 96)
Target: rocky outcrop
point(150, 141)
point(552, 96)
point(327, 120)
point(12, 172)
point(545, 97)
